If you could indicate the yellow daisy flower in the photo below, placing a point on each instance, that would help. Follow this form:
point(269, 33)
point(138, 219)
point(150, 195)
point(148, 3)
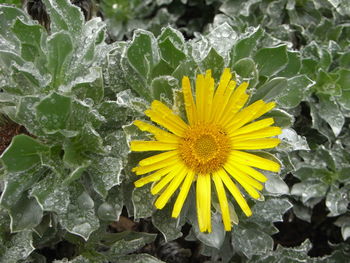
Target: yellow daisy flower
point(211, 146)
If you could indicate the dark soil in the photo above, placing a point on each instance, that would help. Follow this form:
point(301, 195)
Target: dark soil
point(8, 130)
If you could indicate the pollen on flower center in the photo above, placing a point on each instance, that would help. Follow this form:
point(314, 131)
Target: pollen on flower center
point(204, 148)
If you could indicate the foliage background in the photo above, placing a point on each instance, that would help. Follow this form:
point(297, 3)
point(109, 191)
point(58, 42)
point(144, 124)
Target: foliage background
point(66, 180)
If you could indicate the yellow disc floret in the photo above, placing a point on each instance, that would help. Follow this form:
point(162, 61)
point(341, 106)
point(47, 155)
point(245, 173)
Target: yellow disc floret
point(204, 148)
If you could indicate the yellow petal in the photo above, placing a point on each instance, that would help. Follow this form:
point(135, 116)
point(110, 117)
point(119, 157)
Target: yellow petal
point(188, 100)
point(248, 183)
point(236, 102)
point(183, 194)
point(256, 144)
point(225, 212)
point(199, 203)
point(142, 146)
point(263, 133)
point(153, 177)
point(157, 158)
point(169, 191)
point(235, 192)
point(166, 121)
point(258, 125)
point(267, 107)
point(243, 117)
point(254, 160)
point(207, 202)
point(224, 81)
point(139, 170)
point(200, 83)
point(159, 134)
point(168, 113)
point(208, 98)
point(222, 102)
point(177, 169)
point(251, 171)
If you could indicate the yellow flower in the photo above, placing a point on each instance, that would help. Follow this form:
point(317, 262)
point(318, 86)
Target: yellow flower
point(211, 146)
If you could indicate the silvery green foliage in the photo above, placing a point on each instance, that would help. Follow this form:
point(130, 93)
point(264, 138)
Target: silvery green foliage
point(63, 178)
point(77, 97)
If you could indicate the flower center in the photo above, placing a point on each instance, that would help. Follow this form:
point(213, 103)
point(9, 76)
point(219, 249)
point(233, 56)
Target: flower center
point(204, 148)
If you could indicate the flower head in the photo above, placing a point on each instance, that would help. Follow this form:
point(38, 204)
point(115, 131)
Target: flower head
point(210, 147)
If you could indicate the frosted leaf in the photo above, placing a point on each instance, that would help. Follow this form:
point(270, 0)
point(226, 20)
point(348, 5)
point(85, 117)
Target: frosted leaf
point(250, 241)
point(126, 99)
point(337, 200)
point(200, 48)
point(217, 235)
point(51, 194)
point(291, 141)
point(142, 200)
point(20, 247)
point(309, 189)
point(222, 38)
point(80, 218)
point(105, 173)
point(275, 185)
point(166, 224)
point(271, 210)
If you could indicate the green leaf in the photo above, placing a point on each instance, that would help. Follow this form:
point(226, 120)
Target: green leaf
point(51, 194)
point(282, 118)
point(270, 90)
point(19, 247)
point(295, 92)
point(139, 258)
point(163, 87)
point(105, 173)
point(326, 84)
point(217, 235)
point(142, 200)
point(173, 35)
point(143, 52)
point(285, 255)
point(53, 112)
point(309, 189)
point(344, 223)
point(91, 88)
point(245, 67)
point(337, 200)
point(80, 218)
point(213, 61)
point(19, 182)
point(26, 116)
point(246, 46)
point(25, 214)
point(23, 153)
point(250, 241)
point(161, 69)
point(329, 110)
point(344, 79)
point(294, 65)
point(30, 37)
point(271, 60)
point(131, 242)
point(8, 15)
point(275, 185)
point(112, 208)
point(269, 211)
point(170, 53)
point(64, 17)
point(60, 48)
point(186, 68)
point(163, 221)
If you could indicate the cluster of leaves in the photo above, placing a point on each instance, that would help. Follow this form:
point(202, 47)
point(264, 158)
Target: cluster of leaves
point(70, 177)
